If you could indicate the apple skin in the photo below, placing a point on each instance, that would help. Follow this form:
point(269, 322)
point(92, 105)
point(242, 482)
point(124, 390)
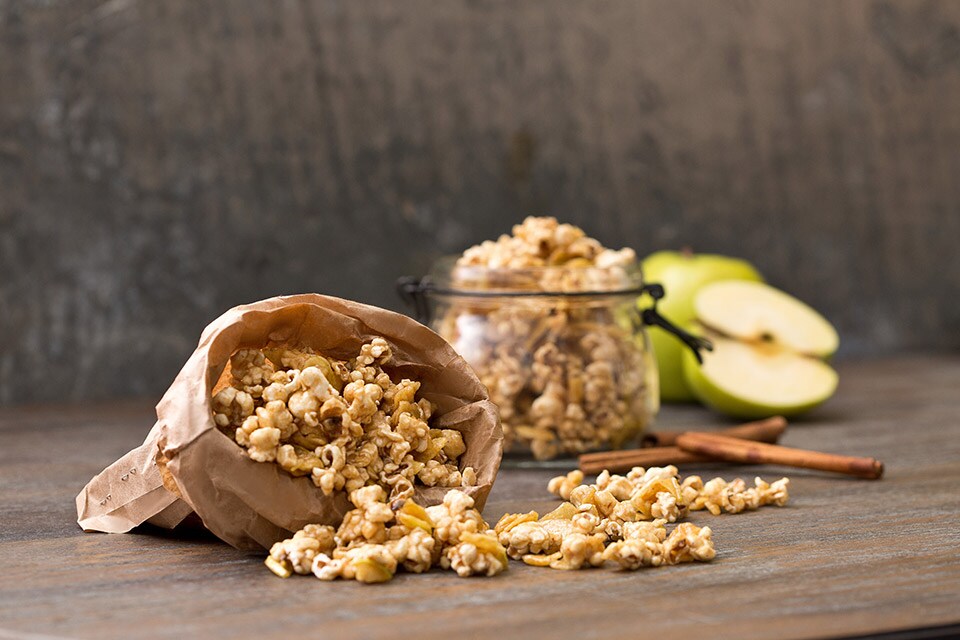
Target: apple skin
point(721, 401)
point(682, 274)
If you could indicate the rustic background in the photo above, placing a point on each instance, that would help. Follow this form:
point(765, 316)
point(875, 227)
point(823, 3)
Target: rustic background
point(163, 161)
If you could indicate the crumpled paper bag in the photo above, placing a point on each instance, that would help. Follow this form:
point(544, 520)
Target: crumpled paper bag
point(186, 465)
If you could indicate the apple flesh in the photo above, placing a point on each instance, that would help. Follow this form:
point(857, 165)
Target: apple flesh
point(753, 311)
point(682, 275)
point(767, 355)
point(748, 380)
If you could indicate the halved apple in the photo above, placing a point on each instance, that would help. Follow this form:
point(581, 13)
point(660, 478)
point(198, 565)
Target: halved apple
point(768, 351)
point(756, 312)
point(757, 380)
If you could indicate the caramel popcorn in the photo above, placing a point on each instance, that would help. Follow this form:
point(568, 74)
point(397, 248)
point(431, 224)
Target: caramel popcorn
point(648, 531)
point(544, 242)
point(376, 539)
point(623, 519)
point(526, 534)
point(368, 563)
point(562, 536)
point(688, 543)
point(577, 550)
point(368, 522)
point(251, 370)
point(346, 425)
point(646, 544)
point(232, 406)
point(529, 537)
point(454, 517)
point(619, 519)
point(580, 549)
point(415, 551)
point(718, 496)
point(656, 492)
point(476, 554)
point(568, 375)
point(563, 485)
point(632, 554)
point(297, 553)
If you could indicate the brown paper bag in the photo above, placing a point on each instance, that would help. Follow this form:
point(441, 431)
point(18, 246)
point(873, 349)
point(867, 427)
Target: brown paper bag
point(251, 504)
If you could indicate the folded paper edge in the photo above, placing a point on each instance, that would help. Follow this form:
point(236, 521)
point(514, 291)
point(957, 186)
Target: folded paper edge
point(128, 493)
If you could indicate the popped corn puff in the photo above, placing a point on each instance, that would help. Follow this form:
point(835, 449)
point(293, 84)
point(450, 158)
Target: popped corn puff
point(297, 553)
point(368, 522)
point(476, 554)
point(454, 517)
point(367, 563)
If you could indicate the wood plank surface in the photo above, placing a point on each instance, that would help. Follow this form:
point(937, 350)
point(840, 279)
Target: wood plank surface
point(846, 557)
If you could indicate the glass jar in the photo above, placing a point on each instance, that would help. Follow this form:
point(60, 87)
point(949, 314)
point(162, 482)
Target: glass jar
point(562, 350)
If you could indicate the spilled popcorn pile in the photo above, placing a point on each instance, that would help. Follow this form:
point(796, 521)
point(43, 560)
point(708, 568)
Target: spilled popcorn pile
point(623, 519)
point(620, 519)
point(377, 538)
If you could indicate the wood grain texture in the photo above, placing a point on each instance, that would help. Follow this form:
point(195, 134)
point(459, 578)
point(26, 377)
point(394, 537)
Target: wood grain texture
point(845, 557)
point(163, 161)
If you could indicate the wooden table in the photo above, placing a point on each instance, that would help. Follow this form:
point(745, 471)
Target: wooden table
point(845, 558)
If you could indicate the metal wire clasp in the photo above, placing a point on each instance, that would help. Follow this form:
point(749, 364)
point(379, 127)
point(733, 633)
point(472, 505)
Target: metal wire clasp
point(651, 317)
point(413, 292)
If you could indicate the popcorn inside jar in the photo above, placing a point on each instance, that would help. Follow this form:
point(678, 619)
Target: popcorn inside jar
point(547, 318)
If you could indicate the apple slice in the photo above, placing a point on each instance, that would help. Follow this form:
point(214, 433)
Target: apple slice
point(758, 380)
point(756, 312)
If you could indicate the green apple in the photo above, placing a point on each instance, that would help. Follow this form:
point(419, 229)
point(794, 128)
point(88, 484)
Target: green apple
point(767, 352)
point(682, 274)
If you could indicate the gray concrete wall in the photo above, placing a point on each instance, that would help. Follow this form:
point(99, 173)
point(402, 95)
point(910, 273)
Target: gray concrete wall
point(163, 161)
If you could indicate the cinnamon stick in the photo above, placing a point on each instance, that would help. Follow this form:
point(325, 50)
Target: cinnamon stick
point(720, 447)
point(768, 430)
